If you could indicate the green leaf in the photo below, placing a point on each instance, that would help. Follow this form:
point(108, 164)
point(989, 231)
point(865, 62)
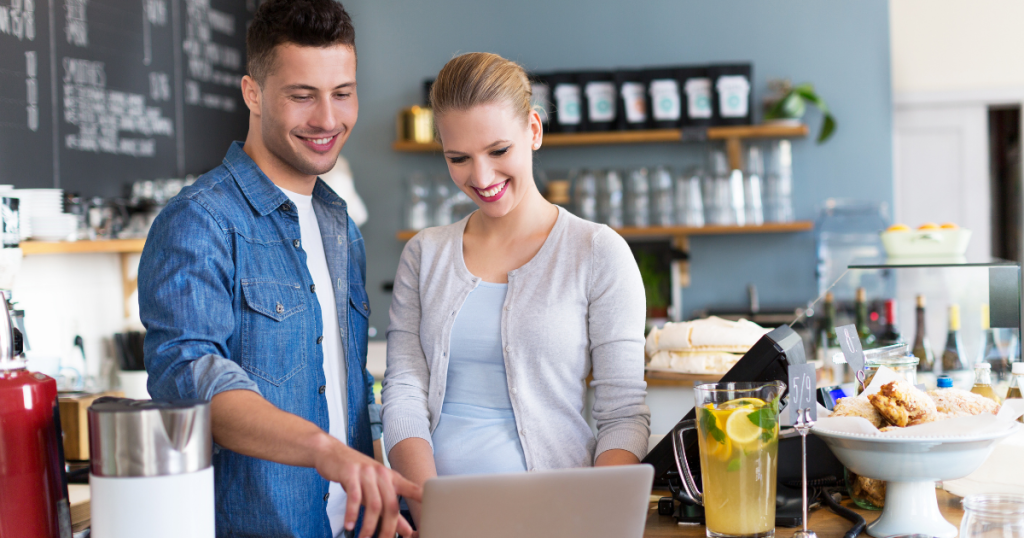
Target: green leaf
point(763, 418)
point(710, 425)
point(793, 106)
point(734, 466)
point(767, 436)
point(827, 127)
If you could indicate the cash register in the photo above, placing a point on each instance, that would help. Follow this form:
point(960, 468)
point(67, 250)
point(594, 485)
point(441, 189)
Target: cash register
point(767, 360)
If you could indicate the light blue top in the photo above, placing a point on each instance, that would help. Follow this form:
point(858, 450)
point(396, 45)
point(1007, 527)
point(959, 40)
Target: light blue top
point(477, 432)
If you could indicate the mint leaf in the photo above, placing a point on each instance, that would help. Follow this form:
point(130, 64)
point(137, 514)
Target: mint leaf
point(767, 436)
point(710, 425)
point(763, 418)
point(734, 466)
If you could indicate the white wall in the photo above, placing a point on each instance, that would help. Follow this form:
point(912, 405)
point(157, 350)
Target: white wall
point(956, 45)
point(64, 295)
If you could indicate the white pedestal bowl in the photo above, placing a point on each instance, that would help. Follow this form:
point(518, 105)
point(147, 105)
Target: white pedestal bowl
point(911, 466)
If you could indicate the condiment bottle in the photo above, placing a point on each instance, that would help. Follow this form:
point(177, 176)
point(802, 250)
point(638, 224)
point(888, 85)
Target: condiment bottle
point(983, 381)
point(1016, 383)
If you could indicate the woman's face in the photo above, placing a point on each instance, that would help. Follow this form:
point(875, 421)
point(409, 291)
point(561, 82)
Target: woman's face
point(489, 151)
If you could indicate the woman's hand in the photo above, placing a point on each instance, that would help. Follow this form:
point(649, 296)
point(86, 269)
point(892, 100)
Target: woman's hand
point(616, 456)
point(414, 458)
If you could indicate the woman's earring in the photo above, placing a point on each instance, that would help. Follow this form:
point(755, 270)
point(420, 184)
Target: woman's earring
point(536, 147)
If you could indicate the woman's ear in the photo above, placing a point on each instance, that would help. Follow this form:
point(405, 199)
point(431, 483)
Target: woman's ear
point(536, 130)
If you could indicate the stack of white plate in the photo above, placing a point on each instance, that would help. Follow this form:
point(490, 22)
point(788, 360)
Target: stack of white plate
point(61, 227)
point(42, 203)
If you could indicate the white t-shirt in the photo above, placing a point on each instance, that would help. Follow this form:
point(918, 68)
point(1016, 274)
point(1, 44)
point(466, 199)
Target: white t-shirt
point(334, 364)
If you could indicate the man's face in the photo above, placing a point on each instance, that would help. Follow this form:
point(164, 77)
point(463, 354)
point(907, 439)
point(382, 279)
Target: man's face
point(308, 106)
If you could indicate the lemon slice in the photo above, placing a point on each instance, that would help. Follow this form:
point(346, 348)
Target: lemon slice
point(740, 429)
point(720, 451)
point(739, 403)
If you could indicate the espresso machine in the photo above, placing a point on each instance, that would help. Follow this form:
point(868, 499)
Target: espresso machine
point(33, 484)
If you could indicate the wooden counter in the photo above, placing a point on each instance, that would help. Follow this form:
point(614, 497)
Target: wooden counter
point(822, 521)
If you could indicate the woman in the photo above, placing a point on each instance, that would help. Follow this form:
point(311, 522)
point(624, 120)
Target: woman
point(498, 319)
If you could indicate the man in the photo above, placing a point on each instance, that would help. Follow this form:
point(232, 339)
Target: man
point(252, 289)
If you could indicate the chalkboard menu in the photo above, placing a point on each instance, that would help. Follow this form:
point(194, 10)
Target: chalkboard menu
point(95, 94)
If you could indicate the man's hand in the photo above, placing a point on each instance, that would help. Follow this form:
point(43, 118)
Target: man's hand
point(246, 423)
point(367, 483)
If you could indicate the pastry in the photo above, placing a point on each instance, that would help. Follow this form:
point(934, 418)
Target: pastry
point(961, 403)
point(858, 407)
point(904, 405)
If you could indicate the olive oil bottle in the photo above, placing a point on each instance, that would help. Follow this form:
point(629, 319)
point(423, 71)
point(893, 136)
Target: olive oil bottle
point(1016, 383)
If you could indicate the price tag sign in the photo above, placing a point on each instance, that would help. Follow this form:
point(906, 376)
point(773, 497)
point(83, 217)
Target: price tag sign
point(849, 341)
point(802, 391)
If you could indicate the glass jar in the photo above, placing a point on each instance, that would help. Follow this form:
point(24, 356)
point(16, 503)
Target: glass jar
point(992, 516)
point(896, 357)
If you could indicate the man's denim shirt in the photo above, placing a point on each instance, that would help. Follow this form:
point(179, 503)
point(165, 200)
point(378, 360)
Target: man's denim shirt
point(228, 304)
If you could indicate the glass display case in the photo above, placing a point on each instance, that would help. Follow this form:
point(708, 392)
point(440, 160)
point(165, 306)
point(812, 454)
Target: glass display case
point(969, 311)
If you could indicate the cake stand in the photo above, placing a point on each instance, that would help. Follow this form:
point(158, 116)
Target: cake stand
point(910, 467)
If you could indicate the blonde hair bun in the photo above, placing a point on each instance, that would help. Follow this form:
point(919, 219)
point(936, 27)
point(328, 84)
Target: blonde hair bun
point(479, 78)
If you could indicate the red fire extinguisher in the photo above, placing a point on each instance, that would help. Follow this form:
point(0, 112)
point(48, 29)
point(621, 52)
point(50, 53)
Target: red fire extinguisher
point(33, 485)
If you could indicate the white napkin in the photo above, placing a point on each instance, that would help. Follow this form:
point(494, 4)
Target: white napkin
point(1002, 472)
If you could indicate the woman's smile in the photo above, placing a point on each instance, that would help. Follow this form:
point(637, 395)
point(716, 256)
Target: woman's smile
point(492, 193)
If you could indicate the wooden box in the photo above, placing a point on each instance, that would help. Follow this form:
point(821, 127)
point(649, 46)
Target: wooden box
point(74, 421)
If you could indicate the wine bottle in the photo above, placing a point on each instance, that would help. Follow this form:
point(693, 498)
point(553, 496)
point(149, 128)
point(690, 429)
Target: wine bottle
point(953, 355)
point(890, 336)
point(867, 338)
point(922, 347)
point(990, 352)
point(828, 341)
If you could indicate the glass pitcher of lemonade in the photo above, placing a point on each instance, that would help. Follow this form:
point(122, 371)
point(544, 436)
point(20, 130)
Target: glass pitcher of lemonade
point(738, 437)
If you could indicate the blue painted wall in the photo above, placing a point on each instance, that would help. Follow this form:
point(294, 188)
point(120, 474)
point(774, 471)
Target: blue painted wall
point(840, 46)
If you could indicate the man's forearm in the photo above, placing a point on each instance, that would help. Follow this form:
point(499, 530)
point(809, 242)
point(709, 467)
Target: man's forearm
point(244, 422)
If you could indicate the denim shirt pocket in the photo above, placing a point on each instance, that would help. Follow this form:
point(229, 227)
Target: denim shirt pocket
point(273, 325)
point(359, 324)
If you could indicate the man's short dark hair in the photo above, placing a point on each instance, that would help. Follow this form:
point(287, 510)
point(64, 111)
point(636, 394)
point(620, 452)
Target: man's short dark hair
point(307, 23)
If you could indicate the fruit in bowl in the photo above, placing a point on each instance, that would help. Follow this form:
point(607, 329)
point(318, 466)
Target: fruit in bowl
point(930, 239)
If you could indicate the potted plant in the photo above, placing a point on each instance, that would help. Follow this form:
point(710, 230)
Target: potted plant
point(790, 103)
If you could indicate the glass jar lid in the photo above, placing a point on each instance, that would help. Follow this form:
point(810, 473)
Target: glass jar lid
point(894, 355)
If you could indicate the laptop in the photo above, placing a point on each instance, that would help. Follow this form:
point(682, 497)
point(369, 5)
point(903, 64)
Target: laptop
point(598, 502)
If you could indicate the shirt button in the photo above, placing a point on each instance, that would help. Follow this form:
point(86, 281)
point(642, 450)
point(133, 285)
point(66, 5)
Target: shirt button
point(312, 288)
point(514, 391)
point(279, 308)
point(296, 243)
point(508, 348)
point(366, 306)
point(322, 389)
point(286, 206)
point(326, 495)
point(509, 307)
point(319, 339)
